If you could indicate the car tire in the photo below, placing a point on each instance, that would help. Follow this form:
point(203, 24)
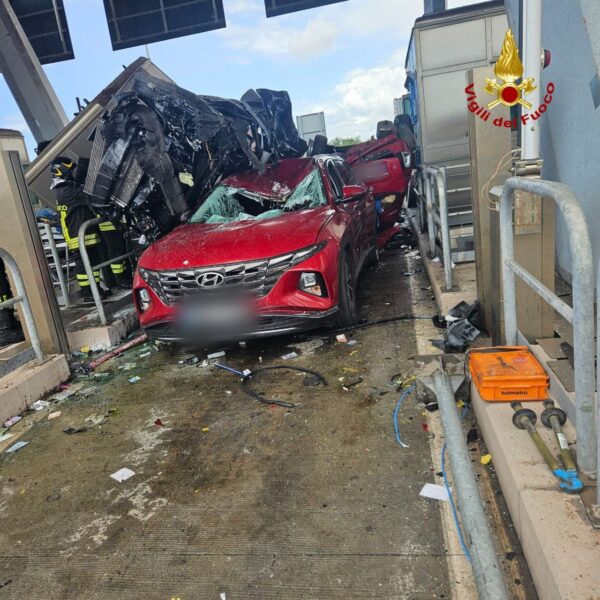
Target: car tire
point(347, 307)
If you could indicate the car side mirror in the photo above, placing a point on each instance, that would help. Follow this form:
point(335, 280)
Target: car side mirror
point(407, 159)
point(353, 192)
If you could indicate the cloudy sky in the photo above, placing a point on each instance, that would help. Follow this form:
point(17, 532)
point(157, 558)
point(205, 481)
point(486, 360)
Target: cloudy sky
point(346, 59)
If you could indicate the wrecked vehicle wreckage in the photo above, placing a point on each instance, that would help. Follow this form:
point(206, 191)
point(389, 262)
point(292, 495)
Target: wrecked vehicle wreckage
point(161, 149)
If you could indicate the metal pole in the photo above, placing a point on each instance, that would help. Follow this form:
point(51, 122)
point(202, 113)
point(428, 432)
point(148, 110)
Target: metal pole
point(88, 268)
point(10, 262)
point(58, 265)
point(486, 570)
point(430, 222)
point(507, 254)
point(583, 301)
point(532, 62)
point(440, 177)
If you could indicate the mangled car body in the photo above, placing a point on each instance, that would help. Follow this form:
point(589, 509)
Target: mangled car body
point(265, 253)
point(162, 148)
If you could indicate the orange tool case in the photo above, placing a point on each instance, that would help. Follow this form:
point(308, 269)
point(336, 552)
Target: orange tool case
point(507, 373)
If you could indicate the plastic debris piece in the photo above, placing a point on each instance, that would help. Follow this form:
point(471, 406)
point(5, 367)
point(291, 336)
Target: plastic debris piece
point(123, 474)
point(228, 392)
point(10, 422)
point(128, 366)
point(39, 405)
point(145, 354)
point(472, 435)
point(72, 430)
point(290, 355)
point(205, 429)
point(486, 459)
point(134, 379)
point(54, 415)
point(342, 339)
point(222, 597)
point(85, 349)
point(216, 355)
point(348, 382)
point(159, 423)
point(435, 492)
point(425, 426)
point(16, 447)
point(351, 343)
point(5, 436)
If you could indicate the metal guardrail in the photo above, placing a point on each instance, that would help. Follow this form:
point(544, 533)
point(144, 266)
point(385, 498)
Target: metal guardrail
point(437, 217)
point(21, 297)
point(89, 269)
point(59, 272)
point(583, 301)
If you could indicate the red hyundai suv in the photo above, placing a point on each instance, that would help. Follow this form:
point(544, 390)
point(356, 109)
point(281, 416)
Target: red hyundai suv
point(265, 253)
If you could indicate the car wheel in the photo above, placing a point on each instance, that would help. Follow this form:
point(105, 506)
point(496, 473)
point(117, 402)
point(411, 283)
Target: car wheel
point(347, 309)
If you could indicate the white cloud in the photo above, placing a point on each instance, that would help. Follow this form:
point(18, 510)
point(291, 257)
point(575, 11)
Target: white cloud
point(236, 7)
point(354, 105)
point(331, 27)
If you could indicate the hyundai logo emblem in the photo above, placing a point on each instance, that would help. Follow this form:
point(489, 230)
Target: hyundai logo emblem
point(210, 280)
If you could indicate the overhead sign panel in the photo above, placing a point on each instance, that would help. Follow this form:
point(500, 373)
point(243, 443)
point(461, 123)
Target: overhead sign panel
point(283, 7)
point(136, 22)
point(45, 26)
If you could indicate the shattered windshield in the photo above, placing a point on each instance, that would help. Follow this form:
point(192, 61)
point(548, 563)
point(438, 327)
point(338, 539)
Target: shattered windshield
point(226, 204)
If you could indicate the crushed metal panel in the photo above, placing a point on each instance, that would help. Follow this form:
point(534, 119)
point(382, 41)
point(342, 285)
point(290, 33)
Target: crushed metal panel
point(283, 7)
point(137, 22)
point(45, 25)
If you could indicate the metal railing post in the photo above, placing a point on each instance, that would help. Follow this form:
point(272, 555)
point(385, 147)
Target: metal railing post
point(583, 300)
point(59, 271)
point(88, 268)
point(21, 296)
point(438, 212)
point(430, 220)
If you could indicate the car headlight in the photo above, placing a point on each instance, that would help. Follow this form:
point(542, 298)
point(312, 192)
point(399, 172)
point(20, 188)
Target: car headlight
point(144, 299)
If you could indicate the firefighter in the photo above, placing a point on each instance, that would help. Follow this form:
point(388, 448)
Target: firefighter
point(115, 246)
point(74, 209)
point(10, 328)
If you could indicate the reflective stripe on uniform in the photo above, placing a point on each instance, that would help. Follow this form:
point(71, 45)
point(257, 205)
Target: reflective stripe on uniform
point(107, 226)
point(91, 239)
point(118, 268)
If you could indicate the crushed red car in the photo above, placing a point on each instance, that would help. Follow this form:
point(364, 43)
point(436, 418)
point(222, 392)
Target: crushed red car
point(266, 253)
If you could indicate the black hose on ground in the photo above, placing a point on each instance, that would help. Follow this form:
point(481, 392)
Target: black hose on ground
point(254, 394)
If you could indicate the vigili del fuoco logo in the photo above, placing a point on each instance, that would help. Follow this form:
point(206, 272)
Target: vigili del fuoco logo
point(506, 90)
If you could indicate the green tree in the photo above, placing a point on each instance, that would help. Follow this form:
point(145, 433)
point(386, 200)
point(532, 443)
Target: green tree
point(340, 141)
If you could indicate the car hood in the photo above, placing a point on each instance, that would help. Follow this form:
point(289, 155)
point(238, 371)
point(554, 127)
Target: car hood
point(200, 245)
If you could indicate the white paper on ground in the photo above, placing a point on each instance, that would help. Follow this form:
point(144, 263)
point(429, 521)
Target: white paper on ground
point(434, 491)
point(123, 474)
point(16, 447)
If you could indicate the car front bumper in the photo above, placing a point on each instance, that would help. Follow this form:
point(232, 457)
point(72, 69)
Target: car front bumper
point(265, 326)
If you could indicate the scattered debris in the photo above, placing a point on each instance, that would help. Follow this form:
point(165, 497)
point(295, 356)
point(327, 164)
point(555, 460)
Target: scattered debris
point(39, 405)
point(464, 326)
point(290, 355)
point(54, 415)
point(348, 382)
point(205, 429)
point(127, 366)
point(342, 339)
point(123, 474)
point(16, 447)
point(311, 381)
point(486, 459)
point(140, 339)
point(432, 406)
point(216, 355)
point(145, 354)
point(351, 342)
point(5, 436)
point(134, 379)
point(72, 430)
point(159, 423)
point(435, 492)
point(472, 435)
point(10, 422)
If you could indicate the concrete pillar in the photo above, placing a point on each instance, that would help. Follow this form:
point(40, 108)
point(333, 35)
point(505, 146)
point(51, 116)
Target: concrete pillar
point(26, 79)
point(19, 236)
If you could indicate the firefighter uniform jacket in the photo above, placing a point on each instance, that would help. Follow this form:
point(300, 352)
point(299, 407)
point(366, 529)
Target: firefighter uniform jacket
point(74, 210)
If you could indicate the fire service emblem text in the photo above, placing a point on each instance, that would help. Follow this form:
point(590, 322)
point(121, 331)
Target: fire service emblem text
point(506, 90)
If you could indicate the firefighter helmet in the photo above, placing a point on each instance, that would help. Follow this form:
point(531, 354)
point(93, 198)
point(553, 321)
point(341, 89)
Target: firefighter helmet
point(63, 168)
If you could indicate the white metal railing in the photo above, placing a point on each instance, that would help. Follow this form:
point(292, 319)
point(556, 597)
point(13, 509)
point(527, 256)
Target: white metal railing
point(21, 296)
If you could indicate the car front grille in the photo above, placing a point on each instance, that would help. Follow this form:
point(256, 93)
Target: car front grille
point(257, 277)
